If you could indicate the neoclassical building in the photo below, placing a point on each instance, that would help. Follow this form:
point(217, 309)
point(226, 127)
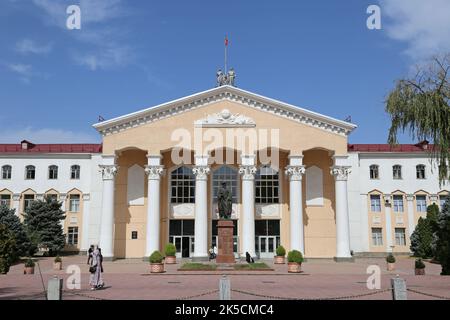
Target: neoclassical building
point(294, 177)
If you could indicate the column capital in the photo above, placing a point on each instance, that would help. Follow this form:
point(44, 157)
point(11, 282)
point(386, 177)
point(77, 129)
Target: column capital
point(108, 171)
point(16, 196)
point(86, 196)
point(340, 173)
point(154, 172)
point(295, 173)
point(409, 197)
point(247, 172)
point(62, 196)
point(201, 172)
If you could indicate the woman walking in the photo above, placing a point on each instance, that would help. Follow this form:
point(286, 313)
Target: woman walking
point(96, 270)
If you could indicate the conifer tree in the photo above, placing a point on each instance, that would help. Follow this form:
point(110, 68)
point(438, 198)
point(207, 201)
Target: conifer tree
point(7, 249)
point(12, 222)
point(441, 239)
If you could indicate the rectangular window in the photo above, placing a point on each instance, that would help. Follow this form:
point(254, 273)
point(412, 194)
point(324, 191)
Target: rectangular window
point(72, 236)
point(442, 200)
point(400, 239)
point(27, 200)
point(134, 235)
point(421, 203)
point(398, 203)
point(375, 203)
point(74, 203)
point(5, 200)
point(267, 186)
point(377, 236)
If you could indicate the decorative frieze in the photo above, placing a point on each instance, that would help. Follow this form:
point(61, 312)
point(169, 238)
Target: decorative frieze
point(340, 173)
point(295, 173)
point(225, 119)
point(154, 172)
point(108, 171)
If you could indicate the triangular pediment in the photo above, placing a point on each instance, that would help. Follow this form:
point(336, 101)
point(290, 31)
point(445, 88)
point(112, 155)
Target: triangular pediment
point(225, 93)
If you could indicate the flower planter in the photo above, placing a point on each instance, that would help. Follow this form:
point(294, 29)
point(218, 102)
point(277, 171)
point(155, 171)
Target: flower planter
point(420, 272)
point(170, 259)
point(29, 270)
point(390, 266)
point(279, 260)
point(57, 265)
point(294, 267)
point(156, 267)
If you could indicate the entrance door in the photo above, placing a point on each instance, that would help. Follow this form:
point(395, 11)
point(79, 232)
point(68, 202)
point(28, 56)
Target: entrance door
point(267, 246)
point(184, 246)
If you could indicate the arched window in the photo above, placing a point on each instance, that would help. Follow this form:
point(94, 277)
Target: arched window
point(182, 184)
point(53, 172)
point(75, 172)
point(230, 177)
point(397, 171)
point(30, 172)
point(374, 174)
point(420, 171)
point(267, 186)
point(6, 172)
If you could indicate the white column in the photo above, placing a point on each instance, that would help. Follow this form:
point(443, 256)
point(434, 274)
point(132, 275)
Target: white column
point(63, 200)
point(201, 171)
point(248, 170)
point(154, 170)
point(342, 218)
point(295, 171)
point(411, 222)
point(364, 224)
point(388, 222)
point(109, 172)
point(16, 203)
point(85, 227)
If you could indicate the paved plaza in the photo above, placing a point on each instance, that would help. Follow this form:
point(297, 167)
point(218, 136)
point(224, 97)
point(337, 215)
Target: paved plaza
point(320, 279)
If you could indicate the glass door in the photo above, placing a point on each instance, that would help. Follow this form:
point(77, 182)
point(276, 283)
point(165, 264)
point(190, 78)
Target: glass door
point(267, 246)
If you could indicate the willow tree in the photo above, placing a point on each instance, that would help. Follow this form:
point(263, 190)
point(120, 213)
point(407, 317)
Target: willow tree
point(420, 105)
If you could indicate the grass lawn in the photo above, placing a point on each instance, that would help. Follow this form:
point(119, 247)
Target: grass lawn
point(252, 266)
point(198, 266)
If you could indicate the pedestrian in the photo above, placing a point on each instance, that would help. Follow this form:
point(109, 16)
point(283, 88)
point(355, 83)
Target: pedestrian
point(96, 269)
point(89, 254)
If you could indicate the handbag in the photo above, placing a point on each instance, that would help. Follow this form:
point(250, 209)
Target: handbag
point(93, 269)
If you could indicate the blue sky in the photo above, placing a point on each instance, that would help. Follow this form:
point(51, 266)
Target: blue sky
point(130, 55)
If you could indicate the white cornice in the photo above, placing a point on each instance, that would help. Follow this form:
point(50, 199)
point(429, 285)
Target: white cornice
point(229, 93)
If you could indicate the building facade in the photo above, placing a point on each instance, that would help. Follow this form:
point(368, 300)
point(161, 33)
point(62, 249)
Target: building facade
point(294, 178)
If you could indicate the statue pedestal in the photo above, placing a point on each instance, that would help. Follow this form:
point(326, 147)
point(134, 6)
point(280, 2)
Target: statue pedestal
point(225, 233)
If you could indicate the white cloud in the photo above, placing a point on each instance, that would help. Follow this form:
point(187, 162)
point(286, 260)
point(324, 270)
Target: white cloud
point(27, 46)
point(423, 25)
point(105, 58)
point(46, 136)
point(24, 71)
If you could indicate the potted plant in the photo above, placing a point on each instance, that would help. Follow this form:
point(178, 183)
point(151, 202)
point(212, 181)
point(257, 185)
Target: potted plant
point(390, 259)
point(170, 252)
point(279, 258)
point(295, 259)
point(419, 267)
point(156, 265)
point(29, 266)
point(57, 263)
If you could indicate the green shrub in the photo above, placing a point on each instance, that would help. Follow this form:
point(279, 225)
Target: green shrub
point(419, 264)
point(170, 250)
point(441, 241)
point(295, 256)
point(29, 263)
point(7, 249)
point(390, 258)
point(281, 251)
point(58, 259)
point(156, 257)
point(422, 237)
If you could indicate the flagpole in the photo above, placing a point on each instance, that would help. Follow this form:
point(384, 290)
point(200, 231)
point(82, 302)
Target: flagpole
point(226, 54)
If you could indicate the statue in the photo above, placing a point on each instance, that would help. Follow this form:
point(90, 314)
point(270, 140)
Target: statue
point(220, 78)
point(231, 77)
point(224, 201)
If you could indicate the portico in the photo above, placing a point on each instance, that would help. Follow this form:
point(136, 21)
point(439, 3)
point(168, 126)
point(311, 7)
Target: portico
point(287, 169)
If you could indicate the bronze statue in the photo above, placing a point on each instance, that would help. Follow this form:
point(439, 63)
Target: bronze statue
point(224, 201)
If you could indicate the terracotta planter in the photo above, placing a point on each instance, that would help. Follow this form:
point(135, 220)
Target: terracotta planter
point(171, 260)
point(156, 267)
point(29, 270)
point(279, 260)
point(390, 266)
point(294, 267)
point(420, 272)
point(57, 265)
